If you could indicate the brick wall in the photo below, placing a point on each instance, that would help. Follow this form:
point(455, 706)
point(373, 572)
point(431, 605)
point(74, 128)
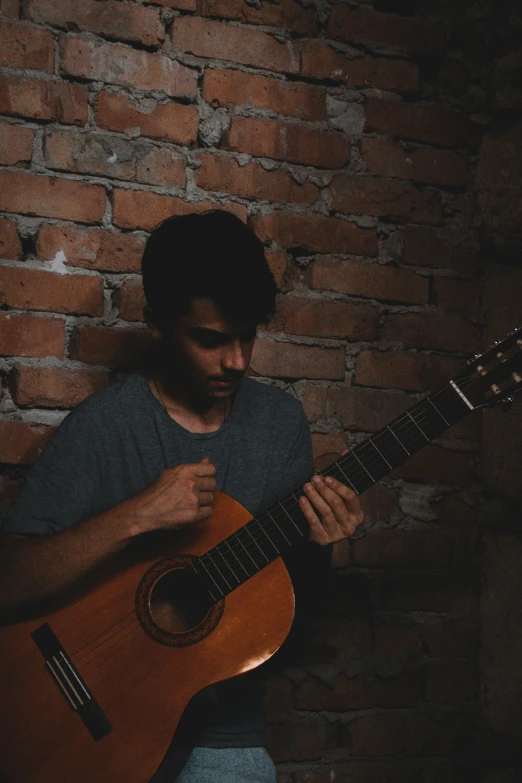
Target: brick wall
point(320, 126)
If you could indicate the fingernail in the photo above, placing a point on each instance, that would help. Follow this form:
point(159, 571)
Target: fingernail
point(329, 479)
point(308, 486)
point(316, 479)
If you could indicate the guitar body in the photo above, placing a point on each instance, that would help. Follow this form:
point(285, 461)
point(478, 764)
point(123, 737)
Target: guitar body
point(140, 672)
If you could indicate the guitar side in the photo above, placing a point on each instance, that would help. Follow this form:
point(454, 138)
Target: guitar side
point(142, 686)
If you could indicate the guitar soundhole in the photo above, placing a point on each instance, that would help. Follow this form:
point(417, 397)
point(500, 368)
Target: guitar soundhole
point(172, 606)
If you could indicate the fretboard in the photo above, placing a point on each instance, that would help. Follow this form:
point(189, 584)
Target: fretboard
point(274, 533)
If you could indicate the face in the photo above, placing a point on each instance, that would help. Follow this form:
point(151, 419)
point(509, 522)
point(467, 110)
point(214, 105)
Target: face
point(207, 353)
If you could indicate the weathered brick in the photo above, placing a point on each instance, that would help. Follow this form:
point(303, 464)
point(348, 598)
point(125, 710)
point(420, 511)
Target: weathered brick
point(278, 696)
point(434, 465)
point(451, 638)
point(182, 5)
point(52, 387)
point(364, 25)
point(223, 87)
point(297, 739)
point(501, 301)
point(451, 683)
point(29, 335)
point(323, 318)
point(224, 174)
point(131, 300)
point(126, 22)
point(116, 64)
point(433, 167)
point(424, 248)
point(10, 9)
point(16, 144)
point(326, 448)
point(417, 549)
point(120, 158)
point(286, 360)
point(438, 331)
point(457, 296)
point(409, 371)
point(418, 122)
point(400, 644)
point(33, 289)
point(171, 121)
point(358, 693)
point(142, 209)
point(32, 194)
point(43, 99)
point(320, 61)
point(287, 14)
point(90, 248)
point(119, 349)
point(358, 409)
point(10, 486)
point(397, 202)
point(21, 442)
point(315, 233)
point(220, 41)
point(10, 245)
point(288, 141)
point(25, 46)
point(451, 592)
point(278, 263)
point(370, 280)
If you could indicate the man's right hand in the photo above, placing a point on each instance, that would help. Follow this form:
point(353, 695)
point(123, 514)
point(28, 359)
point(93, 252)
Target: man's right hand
point(179, 496)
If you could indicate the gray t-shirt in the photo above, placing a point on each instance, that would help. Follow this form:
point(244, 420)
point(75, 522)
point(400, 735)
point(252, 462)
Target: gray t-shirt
point(120, 439)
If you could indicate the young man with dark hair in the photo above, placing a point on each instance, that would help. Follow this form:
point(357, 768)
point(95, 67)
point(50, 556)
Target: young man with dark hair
point(147, 453)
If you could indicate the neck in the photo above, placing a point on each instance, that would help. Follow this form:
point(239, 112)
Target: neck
point(195, 412)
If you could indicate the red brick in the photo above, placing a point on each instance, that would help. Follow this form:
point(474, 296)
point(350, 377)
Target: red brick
point(424, 248)
point(363, 25)
point(116, 64)
point(142, 209)
point(397, 202)
point(25, 46)
point(171, 121)
point(94, 154)
point(131, 300)
point(119, 349)
point(90, 248)
point(320, 61)
point(287, 14)
point(278, 696)
point(182, 5)
point(32, 194)
point(501, 301)
point(21, 443)
point(316, 233)
point(278, 263)
point(418, 122)
point(220, 41)
point(10, 9)
point(409, 371)
point(433, 167)
point(417, 549)
point(451, 638)
point(327, 448)
point(288, 141)
point(374, 281)
point(43, 99)
point(110, 19)
point(434, 465)
point(222, 87)
point(347, 693)
point(224, 174)
point(394, 733)
point(16, 144)
point(432, 330)
point(297, 739)
point(451, 592)
point(29, 335)
point(9, 487)
point(286, 360)
point(367, 410)
point(32, 289)
point(396, 644)
point(10, 245)
point(389, 771)
point(51, 387)
point(451, 683)
point(457, 296)
point(325, 318)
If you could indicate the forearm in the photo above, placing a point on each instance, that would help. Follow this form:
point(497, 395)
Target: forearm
point(33, 569)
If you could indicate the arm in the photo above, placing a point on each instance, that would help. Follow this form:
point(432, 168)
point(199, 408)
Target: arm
point(33, 568)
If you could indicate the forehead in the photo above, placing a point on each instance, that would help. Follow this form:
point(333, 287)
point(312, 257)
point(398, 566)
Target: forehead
point(204, 313)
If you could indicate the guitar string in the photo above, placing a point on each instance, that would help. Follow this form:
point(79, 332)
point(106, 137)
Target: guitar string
point(402, 423)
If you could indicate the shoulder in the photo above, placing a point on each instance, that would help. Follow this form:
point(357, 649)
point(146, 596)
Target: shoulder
point(114, 400)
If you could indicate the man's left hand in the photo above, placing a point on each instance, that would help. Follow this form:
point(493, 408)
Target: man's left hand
point(332, 510)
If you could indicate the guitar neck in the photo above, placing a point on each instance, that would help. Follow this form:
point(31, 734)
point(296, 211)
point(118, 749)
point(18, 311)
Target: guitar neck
point(277, 530)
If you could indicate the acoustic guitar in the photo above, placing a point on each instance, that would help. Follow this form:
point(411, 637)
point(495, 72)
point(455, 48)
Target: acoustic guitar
point(94, 689)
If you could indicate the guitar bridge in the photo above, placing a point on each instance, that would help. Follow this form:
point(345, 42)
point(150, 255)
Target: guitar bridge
point(70, 683)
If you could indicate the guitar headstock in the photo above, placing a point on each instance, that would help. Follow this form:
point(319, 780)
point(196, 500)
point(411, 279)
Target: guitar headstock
point(494, 376)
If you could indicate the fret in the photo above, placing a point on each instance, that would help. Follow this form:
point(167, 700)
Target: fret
point(247, 529)
point(218, 571)
point(207, 573)
point(294, 523)
point(363, 466)
point(237, 537)
point(261, 529)
point(338, 467)
point(234, 555)
point(418, 427)
point(270, 516)
point(438, 411)
point(410, 436)
point(372, 442)
point(388, 427)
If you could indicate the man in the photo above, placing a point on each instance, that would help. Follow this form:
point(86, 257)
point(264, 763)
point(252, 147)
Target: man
point(148, 453)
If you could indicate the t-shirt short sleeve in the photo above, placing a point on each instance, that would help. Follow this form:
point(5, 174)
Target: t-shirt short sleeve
point(61, 487)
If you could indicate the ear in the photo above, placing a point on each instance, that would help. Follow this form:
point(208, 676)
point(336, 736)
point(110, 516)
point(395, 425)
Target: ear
point(151, 322)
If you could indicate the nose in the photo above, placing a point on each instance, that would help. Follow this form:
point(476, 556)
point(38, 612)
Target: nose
point(234, 357)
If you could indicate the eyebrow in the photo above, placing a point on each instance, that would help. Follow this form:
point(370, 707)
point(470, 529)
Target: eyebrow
point(203, 331)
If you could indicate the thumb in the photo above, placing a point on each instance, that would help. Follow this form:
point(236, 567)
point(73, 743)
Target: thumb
point(205, 459)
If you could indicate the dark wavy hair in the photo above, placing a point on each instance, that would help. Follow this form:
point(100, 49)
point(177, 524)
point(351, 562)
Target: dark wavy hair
point(211, 254)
